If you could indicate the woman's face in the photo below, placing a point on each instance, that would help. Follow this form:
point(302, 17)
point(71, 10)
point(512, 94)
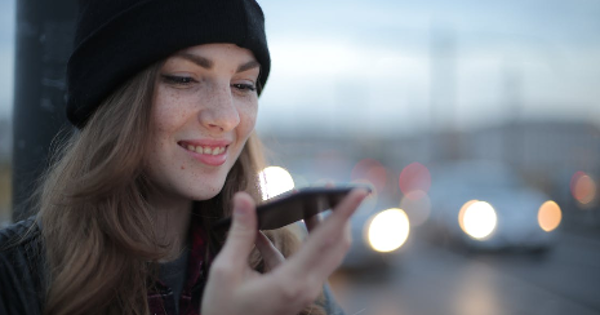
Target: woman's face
point(204, 109)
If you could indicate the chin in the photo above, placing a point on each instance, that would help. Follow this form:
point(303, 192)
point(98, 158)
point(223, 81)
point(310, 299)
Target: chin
point(205, 193)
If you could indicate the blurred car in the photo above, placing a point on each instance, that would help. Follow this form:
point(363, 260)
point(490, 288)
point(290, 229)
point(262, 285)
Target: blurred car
point(377, 236)
point(487, 206)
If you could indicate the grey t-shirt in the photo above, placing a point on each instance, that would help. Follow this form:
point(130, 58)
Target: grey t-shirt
point(173, 274)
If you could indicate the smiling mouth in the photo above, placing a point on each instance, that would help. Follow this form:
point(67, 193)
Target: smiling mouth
point(207, 150)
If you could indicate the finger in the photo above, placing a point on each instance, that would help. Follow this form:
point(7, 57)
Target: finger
point(327, 244)
point(241, 236)
point(312, 222)
point(346, 208)
point(271, 255)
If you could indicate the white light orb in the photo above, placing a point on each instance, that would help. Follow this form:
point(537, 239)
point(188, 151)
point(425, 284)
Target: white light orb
point(388, 230)
point(274, 181)
point(478, 220)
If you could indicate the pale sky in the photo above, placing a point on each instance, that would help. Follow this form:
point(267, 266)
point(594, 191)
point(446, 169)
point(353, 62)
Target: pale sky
point(338, 63)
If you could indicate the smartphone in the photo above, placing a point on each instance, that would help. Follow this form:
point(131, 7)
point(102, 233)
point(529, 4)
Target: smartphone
point(295, 206)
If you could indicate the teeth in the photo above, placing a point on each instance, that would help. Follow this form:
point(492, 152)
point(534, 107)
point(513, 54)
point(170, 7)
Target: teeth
point(206, 150)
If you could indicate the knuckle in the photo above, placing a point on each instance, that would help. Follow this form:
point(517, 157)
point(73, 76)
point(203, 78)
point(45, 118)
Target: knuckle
point(298, 293)
point(289, 292)
point(313, 294)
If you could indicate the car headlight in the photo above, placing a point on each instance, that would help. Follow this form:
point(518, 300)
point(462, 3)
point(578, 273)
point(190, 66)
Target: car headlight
point(477, 219)
point(549, 216)
point(387, 230)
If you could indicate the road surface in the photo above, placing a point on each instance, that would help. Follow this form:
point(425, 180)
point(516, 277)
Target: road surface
point(429, 279)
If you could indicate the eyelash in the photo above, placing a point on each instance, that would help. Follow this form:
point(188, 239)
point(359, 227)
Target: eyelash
point(244, 87)
point(177, 80)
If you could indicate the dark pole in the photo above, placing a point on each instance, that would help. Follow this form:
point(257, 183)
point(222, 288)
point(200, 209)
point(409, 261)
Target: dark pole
point(43, 43)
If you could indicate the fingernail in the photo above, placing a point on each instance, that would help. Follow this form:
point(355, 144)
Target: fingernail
point(239, 208)
point(363, 192)
point(240, 211)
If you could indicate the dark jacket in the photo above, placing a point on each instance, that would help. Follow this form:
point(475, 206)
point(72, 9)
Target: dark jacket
point(22, 271)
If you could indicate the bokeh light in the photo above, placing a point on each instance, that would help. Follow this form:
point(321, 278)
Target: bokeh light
point(583, 188)
point(549, 216)
point(417, 206)
point(372, 171)
point(479, 219)
point(415, 176)
point(461, 213)
point(388, 230)
point(274, 181)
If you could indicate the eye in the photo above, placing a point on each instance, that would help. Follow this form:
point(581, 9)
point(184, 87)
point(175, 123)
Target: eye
point(244, 86)
point(177, 80)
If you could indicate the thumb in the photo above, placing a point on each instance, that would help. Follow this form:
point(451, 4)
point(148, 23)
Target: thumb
point(242, 234)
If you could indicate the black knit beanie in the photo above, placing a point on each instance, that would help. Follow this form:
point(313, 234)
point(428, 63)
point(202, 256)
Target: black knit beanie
point(115, 39)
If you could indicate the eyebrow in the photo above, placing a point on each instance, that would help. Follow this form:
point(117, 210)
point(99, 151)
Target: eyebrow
point(208, 64)
point(248, 65)
point(199, 60)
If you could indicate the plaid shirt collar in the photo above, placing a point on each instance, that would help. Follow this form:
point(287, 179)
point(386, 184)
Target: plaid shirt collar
point(162, 302)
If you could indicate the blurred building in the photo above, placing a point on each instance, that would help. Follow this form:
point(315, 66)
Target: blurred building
point(5, 140)
point(535, 147)
point(546, 149)
point(546, 153)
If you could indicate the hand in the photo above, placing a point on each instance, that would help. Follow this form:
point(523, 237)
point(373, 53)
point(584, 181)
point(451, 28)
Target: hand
point(233, 288)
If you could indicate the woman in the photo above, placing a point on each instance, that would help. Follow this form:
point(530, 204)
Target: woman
point(165, 96)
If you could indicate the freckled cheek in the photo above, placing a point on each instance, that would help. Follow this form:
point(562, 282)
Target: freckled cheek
point(169, 112)
point(248, 115)
point(246, 125)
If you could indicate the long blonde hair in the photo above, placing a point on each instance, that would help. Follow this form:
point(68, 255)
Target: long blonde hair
point(95, 218)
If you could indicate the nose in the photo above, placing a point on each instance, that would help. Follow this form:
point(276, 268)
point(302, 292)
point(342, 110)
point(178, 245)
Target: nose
point(219, 112)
